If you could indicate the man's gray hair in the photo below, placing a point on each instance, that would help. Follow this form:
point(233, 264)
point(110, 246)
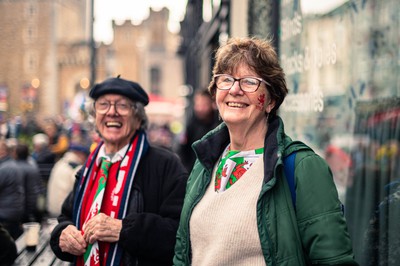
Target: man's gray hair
point(141, 114)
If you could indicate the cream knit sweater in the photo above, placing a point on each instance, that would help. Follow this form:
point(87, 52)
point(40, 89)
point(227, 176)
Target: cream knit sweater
point(223, 226)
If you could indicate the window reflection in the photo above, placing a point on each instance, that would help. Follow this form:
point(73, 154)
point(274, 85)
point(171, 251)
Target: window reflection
point(342, 64)
point(373, 201)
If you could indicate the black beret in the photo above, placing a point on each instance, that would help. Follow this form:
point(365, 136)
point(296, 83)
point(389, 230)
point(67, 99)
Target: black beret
point(117, 85)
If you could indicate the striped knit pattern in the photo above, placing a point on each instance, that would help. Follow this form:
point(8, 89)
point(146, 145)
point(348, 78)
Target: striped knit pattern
point(137, 147)
point(223, 226)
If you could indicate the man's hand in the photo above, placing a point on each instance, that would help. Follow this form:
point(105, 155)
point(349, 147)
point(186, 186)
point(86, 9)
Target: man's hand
point(102, 228)
point(72, 241)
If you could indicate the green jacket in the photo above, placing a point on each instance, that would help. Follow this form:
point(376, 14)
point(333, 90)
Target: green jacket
point(315, 233)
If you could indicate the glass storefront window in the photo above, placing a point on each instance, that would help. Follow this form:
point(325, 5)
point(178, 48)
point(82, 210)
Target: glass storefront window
point(342, 62)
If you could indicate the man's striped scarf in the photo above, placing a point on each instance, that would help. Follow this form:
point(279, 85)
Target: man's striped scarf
point(138, 146)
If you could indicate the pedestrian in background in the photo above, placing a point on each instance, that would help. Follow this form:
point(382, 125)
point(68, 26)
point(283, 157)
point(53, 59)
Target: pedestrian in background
point(127, 200)
point(62, 177)
point(32, 182)
point(204, 119)
point(58, 139)
point(239, 209)
point(45, 160)
point(12, 192)
point(43, 156)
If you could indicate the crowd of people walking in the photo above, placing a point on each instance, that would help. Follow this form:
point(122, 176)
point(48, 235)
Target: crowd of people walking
point(31, 155)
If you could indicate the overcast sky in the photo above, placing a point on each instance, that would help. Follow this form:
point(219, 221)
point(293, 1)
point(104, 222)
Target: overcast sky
point(136, 10)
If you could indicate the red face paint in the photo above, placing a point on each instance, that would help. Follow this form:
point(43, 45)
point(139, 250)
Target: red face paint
point(261, 102)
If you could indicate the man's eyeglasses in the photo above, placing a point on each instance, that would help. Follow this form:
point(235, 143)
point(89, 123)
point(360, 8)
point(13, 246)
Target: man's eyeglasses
point(122, 108)
point(247, 84)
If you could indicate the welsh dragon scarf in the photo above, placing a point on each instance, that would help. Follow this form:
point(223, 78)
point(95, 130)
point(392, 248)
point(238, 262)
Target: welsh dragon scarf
point(233, 165)
point(93, 177)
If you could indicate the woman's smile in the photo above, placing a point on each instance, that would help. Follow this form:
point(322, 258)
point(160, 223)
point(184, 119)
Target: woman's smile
point(236, 104)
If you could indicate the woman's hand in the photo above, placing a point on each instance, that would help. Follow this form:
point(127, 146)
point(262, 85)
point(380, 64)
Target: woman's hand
point(72, 241)
point(102, 228)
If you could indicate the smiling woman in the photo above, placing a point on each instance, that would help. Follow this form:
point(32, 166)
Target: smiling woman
point(238, 181)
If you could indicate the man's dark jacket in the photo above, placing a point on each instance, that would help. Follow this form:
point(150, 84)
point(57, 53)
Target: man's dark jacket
point(149, 230)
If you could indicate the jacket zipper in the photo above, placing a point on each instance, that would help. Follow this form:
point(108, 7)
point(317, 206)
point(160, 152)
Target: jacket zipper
point(262, 222)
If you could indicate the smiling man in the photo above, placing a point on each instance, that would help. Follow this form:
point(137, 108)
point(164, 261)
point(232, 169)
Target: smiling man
point(127, 199)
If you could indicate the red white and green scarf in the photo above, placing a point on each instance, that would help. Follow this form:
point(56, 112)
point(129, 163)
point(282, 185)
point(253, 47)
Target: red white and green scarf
point(89, 196)
point(233, 165)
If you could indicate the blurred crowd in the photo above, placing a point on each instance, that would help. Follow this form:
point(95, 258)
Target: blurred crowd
point(39, 158)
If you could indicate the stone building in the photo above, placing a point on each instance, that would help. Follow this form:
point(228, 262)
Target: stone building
point(45, 53)
point(147, 53)
point(34, 34)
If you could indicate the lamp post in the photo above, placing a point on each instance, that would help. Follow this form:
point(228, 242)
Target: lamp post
point(92, 46)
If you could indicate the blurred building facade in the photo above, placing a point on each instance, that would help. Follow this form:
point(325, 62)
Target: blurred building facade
point(34, 37)
point(342, 65)
point(147, 53)
point(46, 52)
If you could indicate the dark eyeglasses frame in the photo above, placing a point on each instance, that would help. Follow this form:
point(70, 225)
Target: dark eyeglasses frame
point(132, 106)
point(238, 80)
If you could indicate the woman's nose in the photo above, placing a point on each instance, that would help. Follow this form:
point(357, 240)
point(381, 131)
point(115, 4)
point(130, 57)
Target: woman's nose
point(235, 89)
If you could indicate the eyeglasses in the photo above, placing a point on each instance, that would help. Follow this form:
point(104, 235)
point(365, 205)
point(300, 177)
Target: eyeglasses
point(247, 84)
point(122, 108)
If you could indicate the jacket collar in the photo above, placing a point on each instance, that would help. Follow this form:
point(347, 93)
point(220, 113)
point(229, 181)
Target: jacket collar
point(209, 148)
point(273, 147)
